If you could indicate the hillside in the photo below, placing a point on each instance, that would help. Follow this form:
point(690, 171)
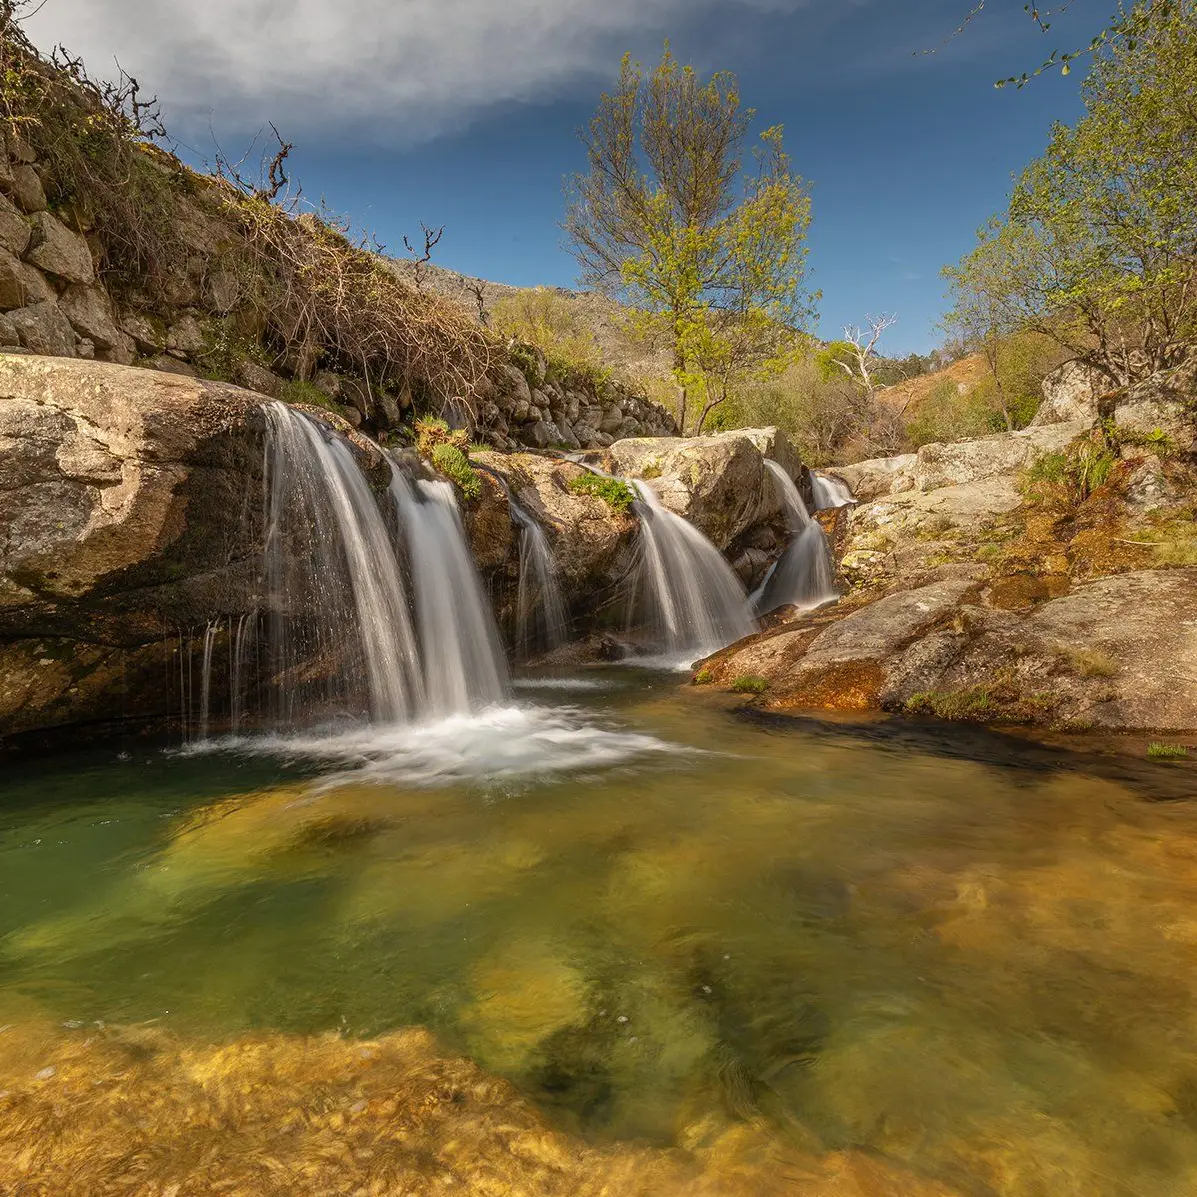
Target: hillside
point(602, 318)
point(906, 397)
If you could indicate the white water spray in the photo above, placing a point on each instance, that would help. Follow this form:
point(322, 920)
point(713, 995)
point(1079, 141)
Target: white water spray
point(804, 576)
point(828, 492)
point(463, 665)
point(696, 603)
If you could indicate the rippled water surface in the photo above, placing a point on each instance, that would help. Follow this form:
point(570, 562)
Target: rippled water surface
point(658, 919)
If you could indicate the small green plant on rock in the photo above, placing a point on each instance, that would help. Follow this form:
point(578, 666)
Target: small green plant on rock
point(704, 677)
point(1070, 476)
point(432, 431)
point(308, 394)
point(453, 463)
point(750, 684)
point(616, 494)
point(1090, 662)
point(974, 705)
point(1167, 752)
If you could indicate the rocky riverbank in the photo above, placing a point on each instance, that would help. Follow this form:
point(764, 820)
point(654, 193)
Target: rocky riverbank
point(1046, 578)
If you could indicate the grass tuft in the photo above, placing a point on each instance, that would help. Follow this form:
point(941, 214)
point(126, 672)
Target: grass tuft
point(616, 494)
point(453, 463)
point(749, 684)
point(1167, 752)
point(1090, 662)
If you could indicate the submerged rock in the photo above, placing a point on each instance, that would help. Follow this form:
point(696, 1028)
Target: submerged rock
point(273, 1113)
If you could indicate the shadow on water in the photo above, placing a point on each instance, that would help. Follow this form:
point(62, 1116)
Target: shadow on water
point(1156, 782)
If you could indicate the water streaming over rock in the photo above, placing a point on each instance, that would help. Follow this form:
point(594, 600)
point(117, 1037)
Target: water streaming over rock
point(805, 575)
point(338, 634)
point(541, 613)
point(462, 656)
point(828, 492)
point(695, 602)
point(210, 634)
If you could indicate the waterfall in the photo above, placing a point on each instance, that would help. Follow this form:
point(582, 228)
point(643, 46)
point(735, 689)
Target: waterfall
point(541, 614)
point(804, 576)
point(829, 492)
point(697, 604)
point(210, 633)
point(338, 631)
point(247, 630)
point(462, 656)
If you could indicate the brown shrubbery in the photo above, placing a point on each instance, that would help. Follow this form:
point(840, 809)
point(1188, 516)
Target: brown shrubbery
point(304, 289)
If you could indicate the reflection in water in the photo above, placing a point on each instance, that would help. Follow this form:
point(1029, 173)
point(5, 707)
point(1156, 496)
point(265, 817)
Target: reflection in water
point(819, 965)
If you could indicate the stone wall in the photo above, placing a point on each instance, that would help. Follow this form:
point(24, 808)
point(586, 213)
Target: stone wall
point(534, 404)
point(53, 302)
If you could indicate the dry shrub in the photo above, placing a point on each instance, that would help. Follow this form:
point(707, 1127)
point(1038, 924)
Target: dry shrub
point(104, 175)
point(319, 292)
point(307, 289)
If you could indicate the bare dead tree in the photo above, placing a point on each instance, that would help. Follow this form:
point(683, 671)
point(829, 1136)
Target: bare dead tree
point(276, 173)
point(862, 346)
point(273, 179)
point(431, 240)
point(478, 291)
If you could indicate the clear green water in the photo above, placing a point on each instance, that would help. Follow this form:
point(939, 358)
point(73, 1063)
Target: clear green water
point(983, 970)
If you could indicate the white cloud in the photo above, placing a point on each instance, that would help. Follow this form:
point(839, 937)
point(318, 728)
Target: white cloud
point(408, 69)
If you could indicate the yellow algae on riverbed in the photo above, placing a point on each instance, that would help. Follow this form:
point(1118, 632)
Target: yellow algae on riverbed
point(115, 1112)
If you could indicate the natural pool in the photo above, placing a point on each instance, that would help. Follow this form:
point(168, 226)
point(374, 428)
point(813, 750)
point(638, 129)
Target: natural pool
point(819, 960)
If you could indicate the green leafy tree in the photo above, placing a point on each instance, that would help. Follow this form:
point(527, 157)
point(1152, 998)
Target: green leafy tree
point(1130, 21)
point(1099, 247)
point(669, 219)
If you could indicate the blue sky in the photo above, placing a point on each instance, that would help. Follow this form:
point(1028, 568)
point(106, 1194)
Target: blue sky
point(464, 113)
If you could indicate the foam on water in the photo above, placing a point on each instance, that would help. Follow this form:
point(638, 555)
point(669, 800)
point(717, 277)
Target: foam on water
point(500, 743)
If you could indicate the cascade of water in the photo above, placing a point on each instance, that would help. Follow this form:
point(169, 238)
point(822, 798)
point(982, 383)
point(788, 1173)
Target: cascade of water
point(338, 630)
point(697, 604)
point(459, 642)
point(804, 576)
point(541, 613)
point(206, 677)
point(247, 629)
point(829, 492)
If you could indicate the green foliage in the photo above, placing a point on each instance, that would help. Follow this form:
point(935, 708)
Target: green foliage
point(750, 684)
point(1156, 441)
point(826, 417)
point(1171, 538)
point(432, 431)
point(1097, 247)
point(307, 393)
point(1167, 752)
point(453, 463)
point(946, 415)
point(975, 705)
point(1003, 701)
point(710, 255)
point(704, 677)
point(542, 317)
point(1072, 476)
point(524, 358)
point(616, 494)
